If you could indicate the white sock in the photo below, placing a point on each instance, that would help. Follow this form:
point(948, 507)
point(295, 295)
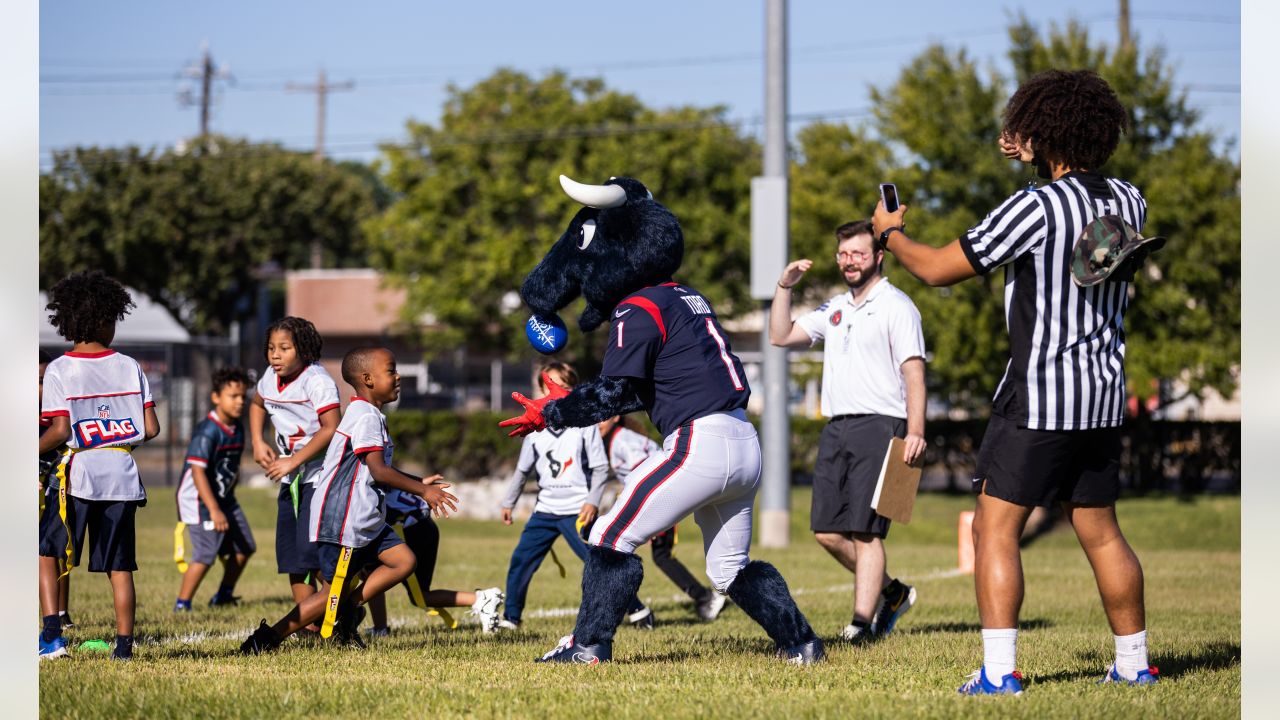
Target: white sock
point(999, 652)
point(1131, 654)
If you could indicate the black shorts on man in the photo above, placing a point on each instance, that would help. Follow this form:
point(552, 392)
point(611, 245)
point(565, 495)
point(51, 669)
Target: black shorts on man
point(1037, 467)
point(850, 454)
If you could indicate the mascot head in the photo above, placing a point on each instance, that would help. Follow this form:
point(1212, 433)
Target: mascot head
point(621, 241)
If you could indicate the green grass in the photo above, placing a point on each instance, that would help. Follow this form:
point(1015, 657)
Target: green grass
point(187, 667)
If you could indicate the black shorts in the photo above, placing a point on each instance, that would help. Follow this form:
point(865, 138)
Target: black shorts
point(365, 557)
point(850, 454)
point(109, 524)
point(423, 538)
point(1036, 467)
point(53, 534)
point(295, 553)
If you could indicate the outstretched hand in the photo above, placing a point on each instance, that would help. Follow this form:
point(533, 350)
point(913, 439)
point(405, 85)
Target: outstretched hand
point(532, 420)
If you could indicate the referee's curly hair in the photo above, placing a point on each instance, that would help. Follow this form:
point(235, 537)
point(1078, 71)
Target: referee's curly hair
point(306, 340)
point(87, 305)
point(1072, 118)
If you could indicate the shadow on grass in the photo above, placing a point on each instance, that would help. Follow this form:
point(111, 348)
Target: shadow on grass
point(1217, 656)
point(970, 627)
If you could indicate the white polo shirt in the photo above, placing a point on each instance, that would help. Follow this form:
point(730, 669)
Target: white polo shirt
point(864, 347)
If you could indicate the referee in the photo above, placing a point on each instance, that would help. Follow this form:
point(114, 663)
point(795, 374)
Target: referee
point(1054, 433)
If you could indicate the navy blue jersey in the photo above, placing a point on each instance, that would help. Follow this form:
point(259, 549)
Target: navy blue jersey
point(667, 339)
point(216, 448)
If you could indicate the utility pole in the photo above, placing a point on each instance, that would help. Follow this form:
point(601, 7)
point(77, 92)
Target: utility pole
point(1126, 40)
point(321, 88)
point(206, 72)
point(769, 248)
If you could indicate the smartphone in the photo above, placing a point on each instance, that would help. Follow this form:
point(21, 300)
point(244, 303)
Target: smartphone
point(889, 196)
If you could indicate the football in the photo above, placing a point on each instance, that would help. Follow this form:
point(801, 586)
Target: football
point(547, 335)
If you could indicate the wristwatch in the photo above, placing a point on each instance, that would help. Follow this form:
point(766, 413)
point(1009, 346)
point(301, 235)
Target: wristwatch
point(884, 236)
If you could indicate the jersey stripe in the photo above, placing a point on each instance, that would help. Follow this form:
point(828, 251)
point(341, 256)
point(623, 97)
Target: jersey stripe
point(647, 486)
point(648, 306)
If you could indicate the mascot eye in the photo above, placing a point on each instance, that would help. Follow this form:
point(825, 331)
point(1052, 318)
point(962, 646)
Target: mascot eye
point(585, 235)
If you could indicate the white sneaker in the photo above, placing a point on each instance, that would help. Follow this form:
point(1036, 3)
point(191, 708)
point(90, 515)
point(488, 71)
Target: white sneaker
point(505, 624)
point(855, 634)
point(710, 608)
point(486, 608)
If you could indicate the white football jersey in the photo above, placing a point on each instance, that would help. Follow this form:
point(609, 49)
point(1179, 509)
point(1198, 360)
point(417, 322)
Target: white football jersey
point(295, 409)
point(103, 395)
point(570, 466)
point(347, 507)
point(627, 449)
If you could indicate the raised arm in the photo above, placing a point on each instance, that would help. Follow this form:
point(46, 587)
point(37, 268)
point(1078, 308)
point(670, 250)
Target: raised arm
point(934, 266)
point(783, 331)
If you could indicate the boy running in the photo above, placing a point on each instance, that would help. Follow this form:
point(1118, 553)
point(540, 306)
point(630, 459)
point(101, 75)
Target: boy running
point(207, 502)
point(348, 518)
point(99, 403)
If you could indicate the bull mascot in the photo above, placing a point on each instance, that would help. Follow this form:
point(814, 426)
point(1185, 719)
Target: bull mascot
point(668, 355)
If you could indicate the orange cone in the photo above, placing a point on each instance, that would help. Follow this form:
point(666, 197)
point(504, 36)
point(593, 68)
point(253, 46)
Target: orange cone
point(964, 541)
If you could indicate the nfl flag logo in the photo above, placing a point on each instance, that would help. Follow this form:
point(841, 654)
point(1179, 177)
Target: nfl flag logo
point(104, 411)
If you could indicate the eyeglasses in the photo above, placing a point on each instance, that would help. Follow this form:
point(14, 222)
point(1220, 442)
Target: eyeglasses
point(856, 255)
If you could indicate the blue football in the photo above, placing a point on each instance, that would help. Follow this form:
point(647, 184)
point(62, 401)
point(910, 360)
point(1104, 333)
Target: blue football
point(546, 335)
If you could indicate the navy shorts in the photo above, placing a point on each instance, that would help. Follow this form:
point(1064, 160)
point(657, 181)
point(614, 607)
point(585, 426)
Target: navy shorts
point(851, 452)
point(53, 534)
point(207, 544)
point(1036, 467)
point(109, 525)
point(362, 558)
point(295, 553)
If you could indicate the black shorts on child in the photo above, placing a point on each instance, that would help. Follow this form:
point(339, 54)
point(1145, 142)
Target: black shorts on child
point(361, 558)
point(295, 553)
point(53, 534)
point(109, 524)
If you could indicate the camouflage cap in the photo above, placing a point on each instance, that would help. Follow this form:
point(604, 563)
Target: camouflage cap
point(1110, 248)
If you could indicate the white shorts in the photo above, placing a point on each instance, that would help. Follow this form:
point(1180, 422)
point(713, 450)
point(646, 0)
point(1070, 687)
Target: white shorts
point(709, 467)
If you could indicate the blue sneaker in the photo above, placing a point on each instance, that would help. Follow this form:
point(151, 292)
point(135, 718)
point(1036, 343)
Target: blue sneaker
point(809, 653)
point(180, 606)
point(53, 649)
point(223, 600)
point(569, 651)
point(1150, 676)
point(978, 684)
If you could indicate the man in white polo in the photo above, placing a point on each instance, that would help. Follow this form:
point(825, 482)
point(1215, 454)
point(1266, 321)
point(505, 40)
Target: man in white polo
point(872, 390)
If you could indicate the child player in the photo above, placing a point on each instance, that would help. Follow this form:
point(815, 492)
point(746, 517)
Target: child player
point(348, 519)
point(99, 404)
point(207, 502)
point(627, 448)
point(571, 468)
point(53, 534)
point(410, 517)
point(302, 402)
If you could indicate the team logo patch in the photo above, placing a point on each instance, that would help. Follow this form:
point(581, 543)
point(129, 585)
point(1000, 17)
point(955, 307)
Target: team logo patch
point(100, 431)
point(835, 317)
point(104, 411)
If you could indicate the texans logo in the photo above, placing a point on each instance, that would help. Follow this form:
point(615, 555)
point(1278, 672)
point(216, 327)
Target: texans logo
point(835, 317)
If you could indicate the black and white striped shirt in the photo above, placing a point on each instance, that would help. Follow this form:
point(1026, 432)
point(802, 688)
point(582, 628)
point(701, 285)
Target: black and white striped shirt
point(1066, 343)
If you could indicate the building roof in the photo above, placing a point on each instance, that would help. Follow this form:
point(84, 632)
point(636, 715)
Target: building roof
point(343, 301)
point(146, 323)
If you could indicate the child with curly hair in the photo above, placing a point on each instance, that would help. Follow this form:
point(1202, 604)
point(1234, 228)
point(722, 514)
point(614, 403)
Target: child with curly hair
point(98, 403)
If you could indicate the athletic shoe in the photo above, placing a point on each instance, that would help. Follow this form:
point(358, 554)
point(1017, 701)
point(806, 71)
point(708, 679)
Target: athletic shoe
point(895, 600)
point(181, 606)
point(710, 608)
point(262, 640)
point(804, 654)
point(486, 608)
point(346, 631)
point(978, 684)
point(505, 624)
point(378, 632)
point(66, 620)
point(1150, 676)
point(53, 649)
point(569, 651)
point(855, 634)
point(641, 619)
point(220, 600)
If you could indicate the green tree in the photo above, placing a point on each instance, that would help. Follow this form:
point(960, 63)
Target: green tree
point(189, 229)
point(478, 203)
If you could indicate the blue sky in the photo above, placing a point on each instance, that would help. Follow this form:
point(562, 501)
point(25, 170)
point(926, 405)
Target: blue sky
point(109, 71)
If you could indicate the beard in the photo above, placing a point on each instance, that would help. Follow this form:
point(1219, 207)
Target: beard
point(864, 277)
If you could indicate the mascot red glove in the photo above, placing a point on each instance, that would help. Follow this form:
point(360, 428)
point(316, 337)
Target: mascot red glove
point(531, 420)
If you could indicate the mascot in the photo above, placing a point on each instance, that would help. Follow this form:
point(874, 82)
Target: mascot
point(667, 355)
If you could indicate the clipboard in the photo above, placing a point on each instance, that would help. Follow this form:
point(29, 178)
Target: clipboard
point(895, 494)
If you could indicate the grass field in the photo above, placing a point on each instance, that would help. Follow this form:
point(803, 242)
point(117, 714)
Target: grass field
point(186, 666)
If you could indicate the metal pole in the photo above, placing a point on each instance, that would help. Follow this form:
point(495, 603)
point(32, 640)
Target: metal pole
point(775, 498)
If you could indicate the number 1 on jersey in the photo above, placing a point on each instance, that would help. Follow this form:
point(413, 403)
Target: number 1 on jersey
point(724, 354)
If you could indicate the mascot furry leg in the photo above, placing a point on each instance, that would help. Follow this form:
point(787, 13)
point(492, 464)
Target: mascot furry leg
point(610, 579)
point(763, 595)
